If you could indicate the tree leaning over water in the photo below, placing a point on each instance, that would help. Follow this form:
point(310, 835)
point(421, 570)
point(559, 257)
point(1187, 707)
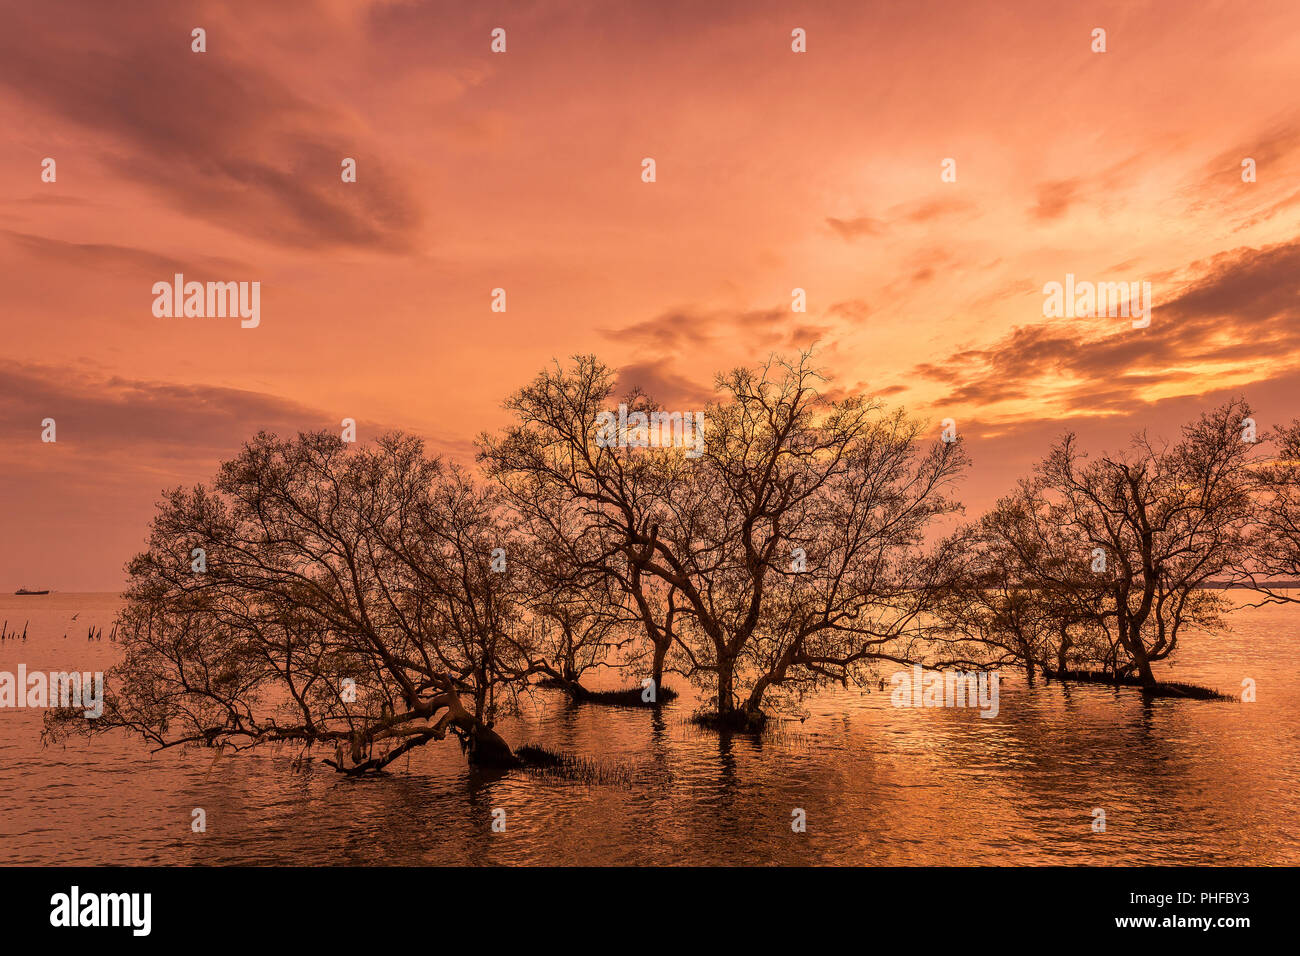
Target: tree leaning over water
point(338, 597)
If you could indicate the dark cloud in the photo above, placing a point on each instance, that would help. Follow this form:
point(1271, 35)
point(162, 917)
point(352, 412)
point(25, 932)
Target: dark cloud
point(666, 332)
point(1268, 148)
point(922, 212)
point(107, 257)
point(856, 228)
point(670, 389)
point(1253, 285)
point(661, 341)
point(1244, 307)
point(931, 209)
point(1269, 211)
point(218, 134)
point(853, 309)
point(155, 420)
point(1055, 198)
point(684, 329)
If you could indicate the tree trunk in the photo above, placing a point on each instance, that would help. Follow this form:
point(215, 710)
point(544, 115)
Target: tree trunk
point(489, 748)
point(657, 668)
point(1137, 650)
point(726, 683)
point(1144, 671)
point(485, 745)
point(1027, 655)
point(1063, 649)
point(569, 666)
point(573, 687)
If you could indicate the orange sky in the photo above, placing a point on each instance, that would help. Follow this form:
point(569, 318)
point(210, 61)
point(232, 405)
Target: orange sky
point(522, 170)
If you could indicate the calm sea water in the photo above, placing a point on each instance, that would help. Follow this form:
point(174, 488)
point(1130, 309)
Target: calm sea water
point(1180, 781)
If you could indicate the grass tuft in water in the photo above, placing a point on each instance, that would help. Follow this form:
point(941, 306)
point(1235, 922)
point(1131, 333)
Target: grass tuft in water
point(631, 697)
point(551, 763)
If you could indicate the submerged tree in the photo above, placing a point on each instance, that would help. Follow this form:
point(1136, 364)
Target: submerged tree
point(1126, 544)
point(588, 502)
point(577, 617)
point(369, 601)
point(1023, 592)
point(990, 613)
point(1277, 518)
point(316, 595)
point(785, 547)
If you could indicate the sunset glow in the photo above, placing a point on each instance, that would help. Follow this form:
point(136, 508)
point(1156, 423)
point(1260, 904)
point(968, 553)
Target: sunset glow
point(774, 172)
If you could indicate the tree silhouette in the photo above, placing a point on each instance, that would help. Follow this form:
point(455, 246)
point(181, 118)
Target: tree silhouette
point(349, 600)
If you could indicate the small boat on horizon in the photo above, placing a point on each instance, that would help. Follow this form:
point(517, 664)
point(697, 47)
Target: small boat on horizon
point(26, 591)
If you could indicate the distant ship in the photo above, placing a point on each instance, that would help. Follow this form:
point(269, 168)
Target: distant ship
point(25, 591)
